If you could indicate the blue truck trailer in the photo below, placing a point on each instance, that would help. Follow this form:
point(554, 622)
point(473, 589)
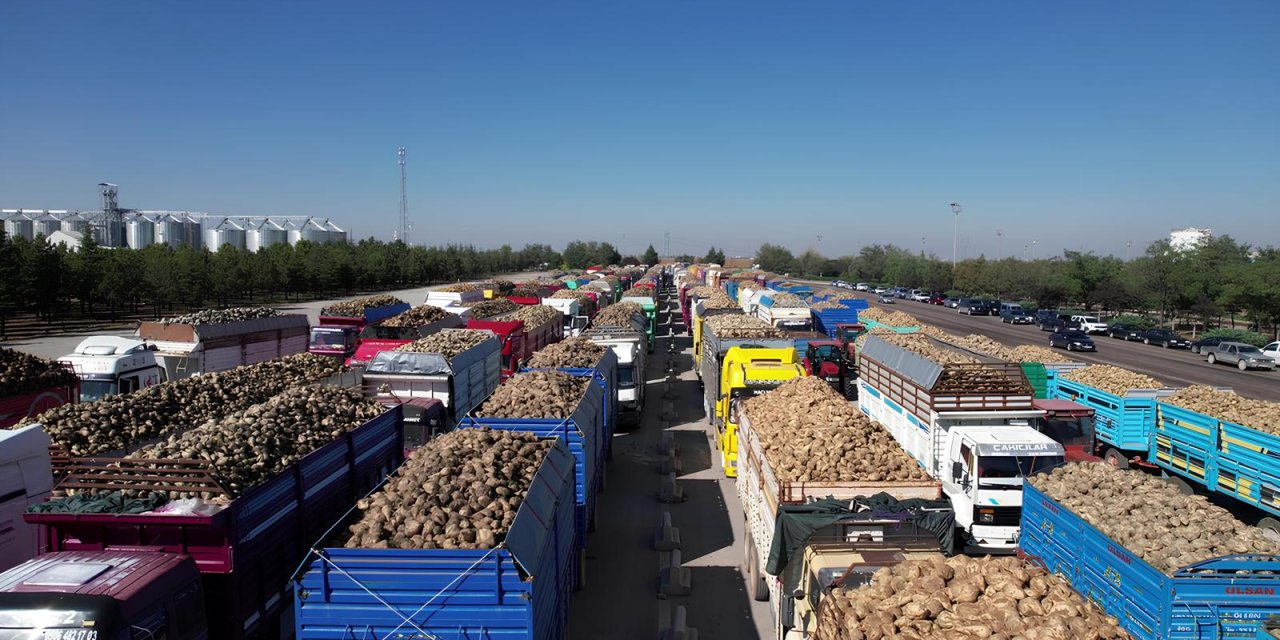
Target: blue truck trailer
point(1124, 424)
point(583, 432)
point(605, 374)
point(518, 590)
point(827, 320)
point(1221, 456)
point(1226, 597)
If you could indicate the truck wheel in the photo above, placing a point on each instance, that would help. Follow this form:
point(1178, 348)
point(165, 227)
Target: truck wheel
point(1213, 359)
point(1116, 459)
point(759, 588)
point(1146, 341)
point(1195, 349)
point(1242, 365)
point(1179, 484)
point(1270, 526)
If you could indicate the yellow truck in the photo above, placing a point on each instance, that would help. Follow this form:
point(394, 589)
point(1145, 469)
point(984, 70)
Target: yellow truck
point(750, 368)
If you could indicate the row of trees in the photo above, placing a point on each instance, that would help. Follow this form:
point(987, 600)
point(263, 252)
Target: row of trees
point(47, 280)
point(1211, 283)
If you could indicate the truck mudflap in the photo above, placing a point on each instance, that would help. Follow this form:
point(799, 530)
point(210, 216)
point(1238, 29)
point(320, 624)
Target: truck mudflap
point(1226, 597)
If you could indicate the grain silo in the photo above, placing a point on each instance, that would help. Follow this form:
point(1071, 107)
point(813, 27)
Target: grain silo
point(228, 232)
point(140, 232)
point(266, 234)
point(45, 225)
point(19, 225)
point(336, 234)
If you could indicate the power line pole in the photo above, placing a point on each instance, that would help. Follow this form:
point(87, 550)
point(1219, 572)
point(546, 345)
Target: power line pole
point(666, 252)
point(404, 202)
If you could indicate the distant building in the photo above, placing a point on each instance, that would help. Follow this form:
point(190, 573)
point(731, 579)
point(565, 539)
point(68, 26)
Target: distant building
point(69, 239)
point(1189, 238)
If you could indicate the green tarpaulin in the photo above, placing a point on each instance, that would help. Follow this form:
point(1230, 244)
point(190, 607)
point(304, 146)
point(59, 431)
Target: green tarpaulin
point(795, 524)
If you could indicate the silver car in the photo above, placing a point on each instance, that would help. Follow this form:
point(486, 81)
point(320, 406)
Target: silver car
point(1243, 356)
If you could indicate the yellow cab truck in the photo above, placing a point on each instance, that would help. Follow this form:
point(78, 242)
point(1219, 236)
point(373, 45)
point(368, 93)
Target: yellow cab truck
point(737, 362)
point(702, 310)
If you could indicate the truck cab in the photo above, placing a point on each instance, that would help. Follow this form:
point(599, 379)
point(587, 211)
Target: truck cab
point(747, 372)
point(984, 481)
point(841, 557)
point(629, 347)
point(103, 595)
point(1069, 424)
point(335, 341)
point(112, 365)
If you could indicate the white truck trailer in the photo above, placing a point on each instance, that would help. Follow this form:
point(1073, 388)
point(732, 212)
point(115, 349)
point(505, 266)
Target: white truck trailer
point(783, 317)
point(575, 321)
point(185, 350)
point(969, 425)
point(630, 345)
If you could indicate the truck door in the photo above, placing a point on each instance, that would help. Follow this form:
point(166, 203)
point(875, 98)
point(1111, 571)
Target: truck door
point(129, 384)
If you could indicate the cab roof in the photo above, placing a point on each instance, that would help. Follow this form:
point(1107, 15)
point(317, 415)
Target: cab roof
point(120, 575)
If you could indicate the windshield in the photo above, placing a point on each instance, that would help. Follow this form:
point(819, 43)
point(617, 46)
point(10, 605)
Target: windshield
point(1075, 335)
point(626, 378)
point(1088, 319)
point(1069, 431)
point(328, 339)
point(91, 390)
point(1014, 466)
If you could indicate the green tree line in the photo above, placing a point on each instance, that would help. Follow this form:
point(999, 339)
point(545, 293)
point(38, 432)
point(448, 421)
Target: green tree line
point(1218, 282)
point(48, 280)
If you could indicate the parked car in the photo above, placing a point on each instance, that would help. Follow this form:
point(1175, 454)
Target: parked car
point(879, 290)
point(974, 307)
point(1072, 340)
point(1205, 345)
point(901, 293)
point(1272, 351)
point(919, 295)
point(862, 286)
point(1014, 314)
point(1165, 338)
point(951, 303)
point(1058, 322)
point(936, 298)
point(1125, 331)
point(1244, 356)
point(1090, 324)
point(1045, 315)
point(885, 298)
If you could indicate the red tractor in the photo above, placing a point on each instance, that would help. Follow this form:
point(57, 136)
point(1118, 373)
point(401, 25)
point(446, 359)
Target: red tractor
point(829, 360)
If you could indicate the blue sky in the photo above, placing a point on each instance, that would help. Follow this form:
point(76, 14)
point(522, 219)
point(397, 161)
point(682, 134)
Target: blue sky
point(1073, 124)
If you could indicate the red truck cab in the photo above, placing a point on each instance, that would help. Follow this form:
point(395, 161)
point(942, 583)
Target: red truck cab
point(1071, 425)
point(335, 337)
point(519, 342)
point(103, 595)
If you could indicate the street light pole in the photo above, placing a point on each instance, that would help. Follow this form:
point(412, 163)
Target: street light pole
point(955, 232)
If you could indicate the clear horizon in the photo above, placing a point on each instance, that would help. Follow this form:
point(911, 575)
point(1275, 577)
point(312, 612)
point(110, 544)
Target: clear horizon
point(1078, 127)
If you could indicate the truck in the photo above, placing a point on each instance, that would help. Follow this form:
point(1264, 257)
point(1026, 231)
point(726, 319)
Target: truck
point(519, 341)
point(605, 374)
point(734, 369)
point(837, 532)
point(629, 345)
point(650, 313)
point(26, 478)
point(1225, 597)
point(460, 383)
point(792, 318)
point(519, 589)
point(217, 569)
point(453, 298)
point(1125, 423)
point(336, 335)
point(829, 360)
point(378, 337)
point(575, 321)
point(583, 432)
point(112, 365)
point(21, 399)
point(185, 350)
point(969, 425)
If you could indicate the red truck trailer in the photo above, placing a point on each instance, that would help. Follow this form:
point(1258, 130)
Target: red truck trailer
point(49, 384)
point(519, 342)
point(243, 548)
point(378, 337)
point(337, 335)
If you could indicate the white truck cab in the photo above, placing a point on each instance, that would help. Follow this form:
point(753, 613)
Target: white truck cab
point(630, 346)
point(984, 483)
point(111, 365)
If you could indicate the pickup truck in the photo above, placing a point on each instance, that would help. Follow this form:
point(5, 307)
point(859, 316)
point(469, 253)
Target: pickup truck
point(1243, 356)
point(1090, 324)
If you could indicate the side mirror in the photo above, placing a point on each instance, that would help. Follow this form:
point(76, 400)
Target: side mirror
point(798, 594)
point(957, 470)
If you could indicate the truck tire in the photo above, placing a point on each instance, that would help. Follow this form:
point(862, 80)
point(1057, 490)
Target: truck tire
point(1213, 359)
point(759, 588)
point(1179, 484)
point(1270, 526)
point(1116, 459)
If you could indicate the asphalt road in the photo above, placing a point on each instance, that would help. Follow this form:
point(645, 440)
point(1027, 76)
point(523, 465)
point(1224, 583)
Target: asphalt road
point(621, 597)
point(59, 345)
point(1173, 367)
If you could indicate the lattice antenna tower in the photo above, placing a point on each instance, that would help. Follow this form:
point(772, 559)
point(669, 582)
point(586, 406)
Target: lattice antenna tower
point(404, 203)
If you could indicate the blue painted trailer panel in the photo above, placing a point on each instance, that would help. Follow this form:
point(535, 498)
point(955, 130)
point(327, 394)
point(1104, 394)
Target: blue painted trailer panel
point(1225, 457)
point(582, 431)
point(1122, 422)
point(826, 320)
point(378, 314)
point(1206, 600)
point(605, 374)
point(519, 590)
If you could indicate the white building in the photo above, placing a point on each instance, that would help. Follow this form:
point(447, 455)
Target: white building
point(1189, 238)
